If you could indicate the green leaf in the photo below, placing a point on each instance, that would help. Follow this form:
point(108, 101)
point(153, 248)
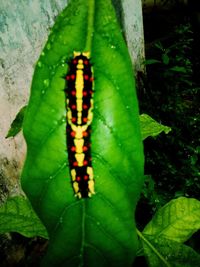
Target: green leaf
point(178, 220)
point(17, 215)
point(159, 46)
point(172, 225)
point(165, 59)
point(149, 127)
point(16, 125)
point(151, 61)
point(179, 69)
point(98, 231)
point(162, 252)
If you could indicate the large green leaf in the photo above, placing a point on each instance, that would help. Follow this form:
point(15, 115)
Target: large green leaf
point(98, 231)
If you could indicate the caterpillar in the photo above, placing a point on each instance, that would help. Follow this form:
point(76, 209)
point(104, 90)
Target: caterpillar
point(79, 115)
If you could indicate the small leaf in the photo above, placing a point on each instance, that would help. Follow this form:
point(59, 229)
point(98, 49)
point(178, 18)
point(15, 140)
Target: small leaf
point(159, 45)
point(178, 220)
point(151, 61)
point(149, 127)
point(163, 252)
point(165, 59)
point(148, 189)
point(179, 69)
point(17, 215)
point(16, 125)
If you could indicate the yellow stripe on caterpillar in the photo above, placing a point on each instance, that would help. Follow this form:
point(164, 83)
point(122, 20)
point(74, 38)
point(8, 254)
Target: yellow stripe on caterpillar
point(80, 158)
point(79, 145)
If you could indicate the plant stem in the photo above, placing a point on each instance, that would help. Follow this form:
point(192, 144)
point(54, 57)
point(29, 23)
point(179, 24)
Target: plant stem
point(90, 26)
point(153, 248)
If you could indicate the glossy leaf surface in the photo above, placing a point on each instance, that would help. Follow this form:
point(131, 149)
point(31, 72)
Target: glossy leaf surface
point(98, 231)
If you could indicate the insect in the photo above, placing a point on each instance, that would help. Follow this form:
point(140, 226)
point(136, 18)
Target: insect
point(79, 106)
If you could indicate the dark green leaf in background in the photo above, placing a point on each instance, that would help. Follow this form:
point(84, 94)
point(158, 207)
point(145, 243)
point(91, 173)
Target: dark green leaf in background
point(151, 61)
point(99, 231)
point(179, 69)
point(165, 59)
point(16, 215)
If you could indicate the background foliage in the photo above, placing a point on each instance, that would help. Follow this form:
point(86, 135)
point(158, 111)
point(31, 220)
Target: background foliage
point(170, 92)
point(172, 96)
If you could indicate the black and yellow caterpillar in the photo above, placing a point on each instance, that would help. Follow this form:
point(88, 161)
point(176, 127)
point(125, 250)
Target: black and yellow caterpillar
point(79, 104)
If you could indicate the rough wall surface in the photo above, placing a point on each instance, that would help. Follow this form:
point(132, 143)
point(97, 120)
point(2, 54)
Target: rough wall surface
point(133, 25)
point(24, 28)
